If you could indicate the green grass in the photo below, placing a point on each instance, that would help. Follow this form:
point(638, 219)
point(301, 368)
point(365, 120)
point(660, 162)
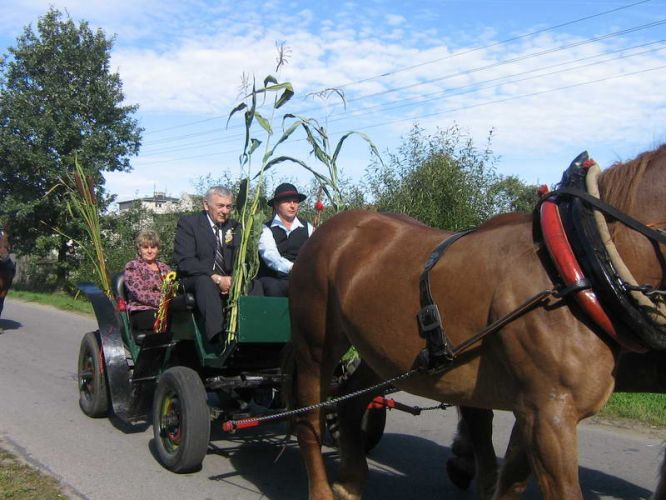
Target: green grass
point(21, 481)
point(60, 300)
point(647, 408)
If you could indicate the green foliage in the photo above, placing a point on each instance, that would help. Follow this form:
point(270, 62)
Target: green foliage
point(648, 408)
point(58, 98)
point(444, 181)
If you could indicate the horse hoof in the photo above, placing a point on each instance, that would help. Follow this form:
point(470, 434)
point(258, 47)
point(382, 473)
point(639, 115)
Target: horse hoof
point(341, 493)
point(458, 474)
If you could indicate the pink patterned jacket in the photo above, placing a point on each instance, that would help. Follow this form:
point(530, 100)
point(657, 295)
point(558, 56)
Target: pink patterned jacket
point(143, 285)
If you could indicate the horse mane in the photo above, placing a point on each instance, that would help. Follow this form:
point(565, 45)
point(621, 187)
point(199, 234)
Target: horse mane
point(617, 184)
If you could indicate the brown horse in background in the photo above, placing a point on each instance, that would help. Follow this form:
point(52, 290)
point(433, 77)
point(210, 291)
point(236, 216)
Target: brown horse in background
point(7, 268)
point(356, 283)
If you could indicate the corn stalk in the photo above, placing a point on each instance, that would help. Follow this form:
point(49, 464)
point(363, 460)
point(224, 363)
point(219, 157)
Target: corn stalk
point(82, 205)
point(317, 138)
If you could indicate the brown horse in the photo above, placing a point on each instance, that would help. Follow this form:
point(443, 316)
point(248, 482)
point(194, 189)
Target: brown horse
point(356, 283)
point(7, 268)
point(473, 447)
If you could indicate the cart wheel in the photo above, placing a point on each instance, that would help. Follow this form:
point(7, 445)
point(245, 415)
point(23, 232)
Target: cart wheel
point(372, 427)
point(93, 391)
point(181, 420)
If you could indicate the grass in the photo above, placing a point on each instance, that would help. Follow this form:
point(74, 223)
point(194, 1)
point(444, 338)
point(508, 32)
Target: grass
point(20, 481)
point(60, 300)
point(649, 409)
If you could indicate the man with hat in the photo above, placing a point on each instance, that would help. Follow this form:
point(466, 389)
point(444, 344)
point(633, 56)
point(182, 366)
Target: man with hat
point(281, 239)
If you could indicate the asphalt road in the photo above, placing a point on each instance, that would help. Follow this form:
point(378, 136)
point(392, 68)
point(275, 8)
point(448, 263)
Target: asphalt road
point(102, 459)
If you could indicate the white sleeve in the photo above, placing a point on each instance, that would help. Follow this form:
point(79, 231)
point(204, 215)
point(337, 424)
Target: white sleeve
point(269, 253)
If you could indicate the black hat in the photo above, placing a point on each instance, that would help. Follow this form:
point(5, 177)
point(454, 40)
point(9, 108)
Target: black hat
point(286, 190)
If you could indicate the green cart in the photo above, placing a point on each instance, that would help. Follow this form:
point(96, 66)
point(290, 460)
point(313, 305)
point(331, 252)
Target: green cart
point(180, 382)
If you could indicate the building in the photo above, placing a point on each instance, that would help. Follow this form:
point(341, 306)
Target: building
point(159, 203)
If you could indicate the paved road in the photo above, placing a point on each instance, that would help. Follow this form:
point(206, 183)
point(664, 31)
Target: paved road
point(102, 459)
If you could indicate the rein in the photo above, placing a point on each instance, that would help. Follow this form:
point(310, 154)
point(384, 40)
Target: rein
point(645, 229)
point(439, 354)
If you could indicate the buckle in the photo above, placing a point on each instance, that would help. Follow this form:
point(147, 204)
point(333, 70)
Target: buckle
point(429, 319)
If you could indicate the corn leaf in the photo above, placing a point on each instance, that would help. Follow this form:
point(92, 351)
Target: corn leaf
point(254, 144)
point(281, 159)
point(363, 136)
point(240, 107)
point(286, 95)
point(265, 124)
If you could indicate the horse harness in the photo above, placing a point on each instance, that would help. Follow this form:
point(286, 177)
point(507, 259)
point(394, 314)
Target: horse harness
point(570, 233)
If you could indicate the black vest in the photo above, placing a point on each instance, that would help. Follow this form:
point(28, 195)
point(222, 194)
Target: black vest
point(288, 246)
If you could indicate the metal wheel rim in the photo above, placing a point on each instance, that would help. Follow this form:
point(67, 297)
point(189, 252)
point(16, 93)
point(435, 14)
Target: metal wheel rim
point(170, 430)
point(87, 376)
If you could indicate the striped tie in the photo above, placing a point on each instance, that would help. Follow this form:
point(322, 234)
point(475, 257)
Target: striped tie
point(218, 266)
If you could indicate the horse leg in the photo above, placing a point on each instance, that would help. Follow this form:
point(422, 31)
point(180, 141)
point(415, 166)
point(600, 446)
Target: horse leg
point(308, 427)
point(461, 468)
point(315, 350)
point(354, 466)
point(474, 451)
point(549, 438)
point(515, 471)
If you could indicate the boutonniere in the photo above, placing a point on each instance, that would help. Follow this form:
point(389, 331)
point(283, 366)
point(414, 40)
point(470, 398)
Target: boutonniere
point(228, 236)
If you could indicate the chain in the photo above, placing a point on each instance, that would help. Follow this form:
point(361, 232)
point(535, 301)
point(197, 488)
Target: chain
point(329, 402)
point(647, 290)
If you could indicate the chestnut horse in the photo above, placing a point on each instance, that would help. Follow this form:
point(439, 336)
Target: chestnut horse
point(356, 283)
point(7, 268)
point(473, 447)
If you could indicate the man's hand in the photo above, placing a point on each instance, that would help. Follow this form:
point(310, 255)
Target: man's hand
point(223, 283)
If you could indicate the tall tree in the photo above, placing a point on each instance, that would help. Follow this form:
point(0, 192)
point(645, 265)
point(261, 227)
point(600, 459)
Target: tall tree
point(58, 99)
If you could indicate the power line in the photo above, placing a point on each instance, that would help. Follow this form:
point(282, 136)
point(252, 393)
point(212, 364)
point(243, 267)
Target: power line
point(534, 73)
point(438, 79)
point(494, 44)
point(515, 59)
point(437, 113)
point(458, 54)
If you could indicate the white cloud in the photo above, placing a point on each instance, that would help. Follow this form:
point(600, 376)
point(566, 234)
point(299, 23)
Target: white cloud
point(187, 57)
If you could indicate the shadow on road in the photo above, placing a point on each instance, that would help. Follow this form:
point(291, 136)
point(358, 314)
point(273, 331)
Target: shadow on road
point(128, 428)
point(401, 466)
point(9, 324)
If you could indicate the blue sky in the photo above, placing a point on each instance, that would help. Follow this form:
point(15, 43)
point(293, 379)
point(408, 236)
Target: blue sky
point(551, 78)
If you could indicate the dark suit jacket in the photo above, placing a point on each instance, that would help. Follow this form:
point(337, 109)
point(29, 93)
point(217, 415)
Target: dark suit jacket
point(194, 247)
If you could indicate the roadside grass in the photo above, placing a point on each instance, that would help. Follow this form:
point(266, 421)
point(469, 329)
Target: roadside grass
point(649, 409)
point(20, 481)
point(60, 300)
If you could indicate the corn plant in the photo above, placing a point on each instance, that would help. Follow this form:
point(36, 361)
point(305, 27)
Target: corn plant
point(82, 205)
point(248, 209)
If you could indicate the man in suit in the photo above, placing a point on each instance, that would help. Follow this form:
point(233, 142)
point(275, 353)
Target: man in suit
point(281, 239)
point(204, 250)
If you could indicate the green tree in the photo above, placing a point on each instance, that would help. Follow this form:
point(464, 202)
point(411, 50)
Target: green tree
point(58, 99)
point(444, 180)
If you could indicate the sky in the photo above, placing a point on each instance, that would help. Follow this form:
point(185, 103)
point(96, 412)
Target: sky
point(549, 78)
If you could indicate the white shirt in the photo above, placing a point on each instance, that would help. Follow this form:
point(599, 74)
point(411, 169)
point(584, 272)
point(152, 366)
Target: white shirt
point(268, 250)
